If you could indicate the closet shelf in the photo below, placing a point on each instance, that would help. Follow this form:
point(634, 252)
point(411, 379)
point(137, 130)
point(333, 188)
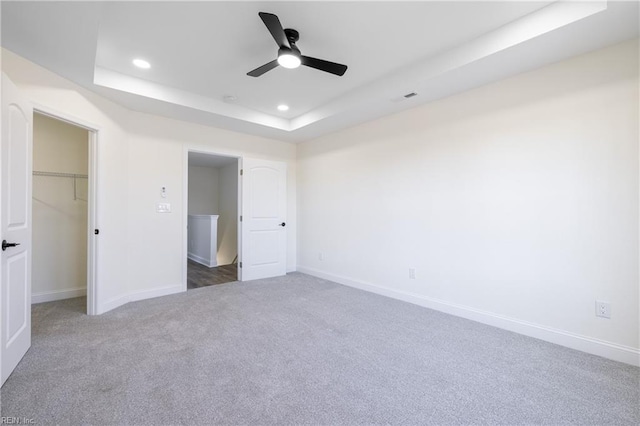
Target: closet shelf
point(74, 176)
point(57, 174)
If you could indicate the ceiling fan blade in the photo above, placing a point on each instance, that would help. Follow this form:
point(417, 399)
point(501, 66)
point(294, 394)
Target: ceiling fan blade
point(275, 28)
point(322, 65)
point(264, 68)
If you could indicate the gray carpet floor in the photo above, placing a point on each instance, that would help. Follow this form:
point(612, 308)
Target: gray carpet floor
point(301, 350)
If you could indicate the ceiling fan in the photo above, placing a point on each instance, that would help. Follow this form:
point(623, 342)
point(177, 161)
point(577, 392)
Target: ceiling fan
point(289, 55)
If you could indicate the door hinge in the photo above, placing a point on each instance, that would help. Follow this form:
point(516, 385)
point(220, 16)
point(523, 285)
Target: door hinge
point(240, 264)
point(240, 218)
point(241, 170)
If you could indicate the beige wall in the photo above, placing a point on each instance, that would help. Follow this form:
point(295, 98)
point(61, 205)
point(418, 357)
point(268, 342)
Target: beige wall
point(516, 203)
point(59, 222)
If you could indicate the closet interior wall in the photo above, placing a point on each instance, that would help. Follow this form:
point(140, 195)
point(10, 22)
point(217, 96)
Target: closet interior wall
point(60, 193)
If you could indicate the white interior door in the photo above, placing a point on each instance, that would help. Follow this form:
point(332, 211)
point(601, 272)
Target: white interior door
point(264, 231)
point(15, 218)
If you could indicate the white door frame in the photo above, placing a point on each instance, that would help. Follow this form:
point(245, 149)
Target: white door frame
point(185, 205)
point(93, 289)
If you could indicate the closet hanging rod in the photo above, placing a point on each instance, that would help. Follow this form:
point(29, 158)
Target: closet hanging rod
point(74, 176)
point(57, 174)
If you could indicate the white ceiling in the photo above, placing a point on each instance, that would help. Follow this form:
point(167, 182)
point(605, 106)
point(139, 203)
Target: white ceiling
point(201, 51)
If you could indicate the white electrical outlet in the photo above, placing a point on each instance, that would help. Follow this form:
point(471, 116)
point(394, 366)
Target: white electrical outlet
point(412, 273)
point(320, 256)
point(603, 309)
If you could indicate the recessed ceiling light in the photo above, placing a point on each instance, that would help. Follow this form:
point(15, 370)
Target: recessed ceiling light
point(283, 107)
point(141, 63)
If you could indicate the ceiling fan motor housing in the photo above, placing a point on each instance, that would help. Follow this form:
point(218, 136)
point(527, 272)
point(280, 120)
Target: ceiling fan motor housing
point(292, 35)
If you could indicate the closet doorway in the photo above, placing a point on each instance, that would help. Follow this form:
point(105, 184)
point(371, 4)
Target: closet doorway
point(212, 222)
point(63, 194)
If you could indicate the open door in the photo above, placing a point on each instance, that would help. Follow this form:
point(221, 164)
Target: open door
point(15, 222)
point(264, 232)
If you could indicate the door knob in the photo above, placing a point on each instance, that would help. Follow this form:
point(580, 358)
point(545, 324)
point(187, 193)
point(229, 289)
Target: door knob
point(5, 244)
point(283, 224)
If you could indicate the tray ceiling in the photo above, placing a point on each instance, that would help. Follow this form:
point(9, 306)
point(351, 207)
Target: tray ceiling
point(200, 53)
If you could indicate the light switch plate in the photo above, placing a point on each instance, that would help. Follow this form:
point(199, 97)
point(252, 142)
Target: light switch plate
point(163, 208)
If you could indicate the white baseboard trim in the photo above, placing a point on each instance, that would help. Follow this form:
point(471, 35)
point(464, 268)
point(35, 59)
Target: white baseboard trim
point(202, 260)
point(113, 304)
point(139, 295)
point(590, 345)
point(156, 292)
point(50, 296)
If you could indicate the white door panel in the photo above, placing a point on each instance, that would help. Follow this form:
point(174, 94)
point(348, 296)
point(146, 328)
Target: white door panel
point(17, 271)
point(263, 243)
point(264, 203)
point(15, 221)
point(17, 163)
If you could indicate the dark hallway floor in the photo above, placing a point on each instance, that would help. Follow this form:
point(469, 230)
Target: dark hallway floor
point(202, 276)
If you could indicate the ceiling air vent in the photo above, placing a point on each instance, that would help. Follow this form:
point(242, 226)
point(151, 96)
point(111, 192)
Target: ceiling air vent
point(404, 97)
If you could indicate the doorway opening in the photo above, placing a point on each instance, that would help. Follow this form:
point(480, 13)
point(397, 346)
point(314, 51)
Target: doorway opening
point(212, 219)
point(63, 199)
